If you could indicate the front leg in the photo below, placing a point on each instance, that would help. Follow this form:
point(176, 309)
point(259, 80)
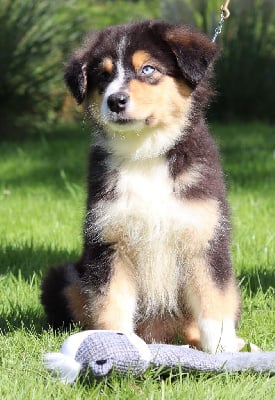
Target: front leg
point(104, 297)
point(113, 307)
point(215, 307)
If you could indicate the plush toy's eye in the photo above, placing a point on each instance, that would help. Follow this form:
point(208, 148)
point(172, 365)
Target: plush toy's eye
point(148, 70)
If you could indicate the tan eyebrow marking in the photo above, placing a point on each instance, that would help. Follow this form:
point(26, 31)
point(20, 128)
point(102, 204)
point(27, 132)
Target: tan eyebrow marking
point(139, 58)
point(107, 64)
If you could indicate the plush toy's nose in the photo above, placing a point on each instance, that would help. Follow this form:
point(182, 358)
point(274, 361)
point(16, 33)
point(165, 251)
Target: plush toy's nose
point(101, 367)
point(117, 102)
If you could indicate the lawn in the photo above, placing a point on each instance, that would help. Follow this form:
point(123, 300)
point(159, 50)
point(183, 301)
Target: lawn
point(42, 202)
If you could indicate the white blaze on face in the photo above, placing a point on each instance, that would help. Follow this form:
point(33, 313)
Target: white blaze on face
point(116, 84)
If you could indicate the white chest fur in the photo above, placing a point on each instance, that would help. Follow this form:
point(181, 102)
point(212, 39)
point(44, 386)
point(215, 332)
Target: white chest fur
point(155, 229)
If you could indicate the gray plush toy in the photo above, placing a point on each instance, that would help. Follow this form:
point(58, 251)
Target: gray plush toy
point(102, 351)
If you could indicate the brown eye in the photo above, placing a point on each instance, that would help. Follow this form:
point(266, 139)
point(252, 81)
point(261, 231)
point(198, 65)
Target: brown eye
point(148, 70)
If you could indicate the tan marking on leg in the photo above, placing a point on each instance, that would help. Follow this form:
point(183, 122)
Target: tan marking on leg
point(205, 298)
point(139, 58)
point(191, 334)
point(76, 304)
point(215, 310)
point(115, 309)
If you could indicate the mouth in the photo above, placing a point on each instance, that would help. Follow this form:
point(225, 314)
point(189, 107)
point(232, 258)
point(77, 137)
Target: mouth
point(123, 123)
point(120, 119)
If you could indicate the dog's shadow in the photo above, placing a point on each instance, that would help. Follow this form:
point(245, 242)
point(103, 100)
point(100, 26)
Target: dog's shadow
point(30, 320)
point(24, 267)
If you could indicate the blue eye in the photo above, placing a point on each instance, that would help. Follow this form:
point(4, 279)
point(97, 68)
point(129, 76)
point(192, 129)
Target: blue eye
point(148, 70)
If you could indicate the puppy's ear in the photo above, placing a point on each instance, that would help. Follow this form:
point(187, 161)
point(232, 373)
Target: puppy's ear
point(76, 77)
point(193, 50)
point(76, 70)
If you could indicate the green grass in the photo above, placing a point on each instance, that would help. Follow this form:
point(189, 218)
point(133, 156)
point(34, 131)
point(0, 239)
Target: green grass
point(42, 182)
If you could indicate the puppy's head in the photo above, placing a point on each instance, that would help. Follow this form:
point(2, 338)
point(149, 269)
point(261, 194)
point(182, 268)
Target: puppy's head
point(140, 76)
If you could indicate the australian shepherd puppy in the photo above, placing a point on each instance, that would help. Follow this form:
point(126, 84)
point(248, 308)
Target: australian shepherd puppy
point(156, 238)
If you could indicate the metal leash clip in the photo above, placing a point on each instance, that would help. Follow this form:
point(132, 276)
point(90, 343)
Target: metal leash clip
point(224, 15)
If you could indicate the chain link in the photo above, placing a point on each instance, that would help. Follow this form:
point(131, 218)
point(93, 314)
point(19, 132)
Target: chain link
point(219, 27)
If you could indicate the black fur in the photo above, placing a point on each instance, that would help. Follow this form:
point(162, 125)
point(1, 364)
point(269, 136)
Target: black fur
point(53, 299)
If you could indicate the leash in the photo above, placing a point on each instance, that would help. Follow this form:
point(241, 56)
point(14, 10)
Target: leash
point(225, 13)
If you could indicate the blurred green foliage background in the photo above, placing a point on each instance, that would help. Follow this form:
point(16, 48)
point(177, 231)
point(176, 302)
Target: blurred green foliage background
point(36, 37)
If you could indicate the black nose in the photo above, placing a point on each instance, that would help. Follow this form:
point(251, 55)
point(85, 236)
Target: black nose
point(117, 102)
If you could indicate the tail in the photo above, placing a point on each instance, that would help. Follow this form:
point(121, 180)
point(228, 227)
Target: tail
point(53, 296)
point(63, 366)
